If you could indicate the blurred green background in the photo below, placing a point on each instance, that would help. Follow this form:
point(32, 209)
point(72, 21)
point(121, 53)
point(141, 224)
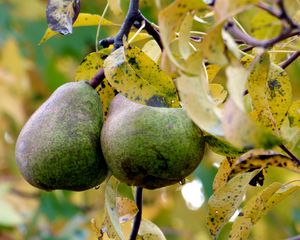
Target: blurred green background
point(28, 75)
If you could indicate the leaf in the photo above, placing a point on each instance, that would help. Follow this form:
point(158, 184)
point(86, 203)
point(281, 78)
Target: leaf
point(236, 84)
point(9, 216)
point(88, 68)
point(213, 46)
point(226, 9)
point(127, 209)
point(115, 6)
point(152, 49)
point(218, 93)
point(225, 201)
point(221, 178)
point(195, 98)
point(149, 231)
point(212, 71)
point(184, 36)
point(171, 18)
point(111, 224)
point(222, 147)
point(84, 19)
point(241, 131)
point(258, 206)
point(139, 78)
point(257, 158)
point(61, 14)
point(294, 114)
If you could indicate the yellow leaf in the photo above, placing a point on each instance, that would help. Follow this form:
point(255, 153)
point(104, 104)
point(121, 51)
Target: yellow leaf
point(115, 6)
point(127, 209)
point(88, 68)
point(195, 98)
point(139, 78)
point(223, 173)
point(149, 231)
point(152, 49)
point(225, 201)
point(213, 46)
point(212, 71)
point(242, 131)
point(294, 114)
point(226, 9)
point(184, 36)
point(218, 93)
point(171, 18)
point(257, 158)
point(240, 229)
point(84, 19)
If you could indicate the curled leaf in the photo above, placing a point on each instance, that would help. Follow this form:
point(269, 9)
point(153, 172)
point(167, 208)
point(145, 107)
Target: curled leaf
point(61, 14)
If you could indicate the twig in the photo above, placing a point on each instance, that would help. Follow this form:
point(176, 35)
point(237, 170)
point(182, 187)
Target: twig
point(268, 9)
point(288, 152)
point(97, 79)
point(289, 60)
point(138, 217)
point(284, 16)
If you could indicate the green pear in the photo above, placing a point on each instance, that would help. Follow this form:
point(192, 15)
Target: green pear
point(59, 146)
point(151, 147)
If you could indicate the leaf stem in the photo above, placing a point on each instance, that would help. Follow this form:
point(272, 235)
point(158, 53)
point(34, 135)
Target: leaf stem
point(138, 217)
point(288, 152)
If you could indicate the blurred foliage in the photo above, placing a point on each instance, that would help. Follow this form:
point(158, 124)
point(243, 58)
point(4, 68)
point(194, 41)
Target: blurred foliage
point(28, 75)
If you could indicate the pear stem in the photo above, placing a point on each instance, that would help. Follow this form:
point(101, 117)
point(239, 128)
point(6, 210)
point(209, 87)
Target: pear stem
point(138, 217)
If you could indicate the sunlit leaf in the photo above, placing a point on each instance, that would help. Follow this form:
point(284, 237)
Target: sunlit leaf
point(240, 229)
point(139, 78)
point(213, 46)
point(242, 131)
point(212, 71)
point(228, 8)
point(257, 158)
point(111, 225)
point(226, 200)
point(171, 18)
point(222, 147)
point(194, 95)
point(184, 36)
point(115, 6)
point(224, 171)
point(84, 19)
point(294, 114)
point(236, 84)
point(127, 209)
point(152, 49)
point(61, 14)
point(149, 231)
point(88, 68)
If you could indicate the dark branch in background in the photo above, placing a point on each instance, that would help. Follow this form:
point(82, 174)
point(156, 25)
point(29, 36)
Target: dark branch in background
point(138, 217)
point(133, 18)
point(284, 16)
point(289, 60)
point(288, 152)
point(269, 9)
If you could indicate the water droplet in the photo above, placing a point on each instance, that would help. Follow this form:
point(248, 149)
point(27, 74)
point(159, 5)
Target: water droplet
point(182, 182)
point(97, 187)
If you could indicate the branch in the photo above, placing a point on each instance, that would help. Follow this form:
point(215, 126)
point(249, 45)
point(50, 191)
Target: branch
point(268, 9)
point(288, 152)
point(138, 217)
point(289, 60)
point(284, 16)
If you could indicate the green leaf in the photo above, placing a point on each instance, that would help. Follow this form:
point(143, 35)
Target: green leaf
point(195, 98)
point(149, 231)
point(256, 159)
point(111, 224)
point(61, 14)
point(139, 78)
point(171, 18)
point(84, 19)
point(88, 68)
point(222, 147)
point(226, 200)
point(294, 114)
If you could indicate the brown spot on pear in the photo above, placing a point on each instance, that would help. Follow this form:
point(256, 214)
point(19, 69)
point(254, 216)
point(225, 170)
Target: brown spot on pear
point(59, 146)
point(148, 146)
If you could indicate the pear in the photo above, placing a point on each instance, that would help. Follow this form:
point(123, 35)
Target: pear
point(59, 146)
point(151, 147)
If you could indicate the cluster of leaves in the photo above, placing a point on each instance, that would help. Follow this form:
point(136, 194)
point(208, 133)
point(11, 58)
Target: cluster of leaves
point(233, 87)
